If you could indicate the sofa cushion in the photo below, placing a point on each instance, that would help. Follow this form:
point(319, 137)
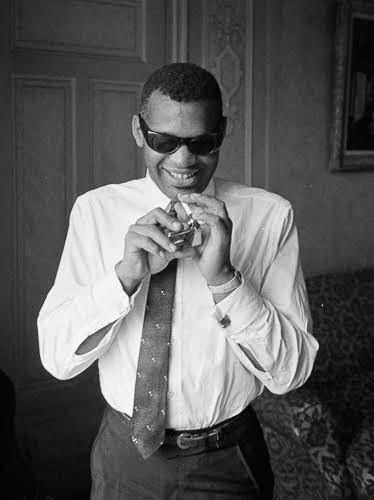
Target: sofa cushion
point(296, 477)
point(342, 307)
point(349, 401)
point(305, 456)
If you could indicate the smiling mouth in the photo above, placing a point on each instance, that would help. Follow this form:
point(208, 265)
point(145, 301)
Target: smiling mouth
point(183, 177)
point(180, 176)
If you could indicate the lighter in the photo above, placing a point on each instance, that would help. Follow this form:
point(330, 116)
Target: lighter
point(189, 237)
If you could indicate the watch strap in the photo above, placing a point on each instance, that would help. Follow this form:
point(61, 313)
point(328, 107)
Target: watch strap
point(229, 286)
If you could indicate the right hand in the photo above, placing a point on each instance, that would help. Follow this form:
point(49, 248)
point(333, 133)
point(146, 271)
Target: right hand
point(147, 248)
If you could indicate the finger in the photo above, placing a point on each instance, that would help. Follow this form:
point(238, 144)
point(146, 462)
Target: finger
point(202, 216)
point(212, 204)
point(218, 223)
point(138, 242)
point(159, 216)
point(184, 253)
point(212, 220)
point(197, 212)
point(155, 233)
point(181, 212)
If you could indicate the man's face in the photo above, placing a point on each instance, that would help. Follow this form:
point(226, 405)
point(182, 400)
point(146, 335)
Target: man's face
point(181, 171)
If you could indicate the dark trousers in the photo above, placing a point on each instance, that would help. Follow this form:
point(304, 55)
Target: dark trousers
point(240, 471)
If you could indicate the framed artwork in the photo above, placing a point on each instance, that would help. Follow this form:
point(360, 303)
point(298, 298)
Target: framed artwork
point(352, 132)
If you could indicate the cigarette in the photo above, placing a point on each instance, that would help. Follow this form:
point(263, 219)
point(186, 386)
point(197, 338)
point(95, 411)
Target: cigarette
point(190, 219)
point(186, 208)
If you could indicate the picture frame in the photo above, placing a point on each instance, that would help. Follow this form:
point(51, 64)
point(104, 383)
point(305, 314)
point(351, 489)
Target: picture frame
point(352, 131)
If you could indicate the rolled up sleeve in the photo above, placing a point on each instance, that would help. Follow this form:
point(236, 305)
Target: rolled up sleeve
point(270, 330)
point(83, 300)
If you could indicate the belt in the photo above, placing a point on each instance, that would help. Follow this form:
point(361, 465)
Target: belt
point(218, 436)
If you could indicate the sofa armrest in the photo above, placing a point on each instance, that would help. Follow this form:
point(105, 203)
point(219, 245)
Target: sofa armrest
point(301, 417)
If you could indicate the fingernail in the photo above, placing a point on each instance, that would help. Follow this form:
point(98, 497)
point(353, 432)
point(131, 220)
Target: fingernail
point(161, 254)
point(176, 224)
point(172, 247)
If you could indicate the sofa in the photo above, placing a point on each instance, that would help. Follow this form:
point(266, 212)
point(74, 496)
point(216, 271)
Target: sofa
point(321, 436)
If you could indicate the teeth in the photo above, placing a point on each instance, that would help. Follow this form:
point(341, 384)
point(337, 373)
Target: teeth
point(181, 176)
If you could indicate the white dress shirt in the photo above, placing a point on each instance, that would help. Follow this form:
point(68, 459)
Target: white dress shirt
point(211, 377)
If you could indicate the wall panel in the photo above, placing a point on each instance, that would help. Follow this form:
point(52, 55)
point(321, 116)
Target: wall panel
point(114, 152)
point(227, 53)
point(45, 188)
point(106, 27)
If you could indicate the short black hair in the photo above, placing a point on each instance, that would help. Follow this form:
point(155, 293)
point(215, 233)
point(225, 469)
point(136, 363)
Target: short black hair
point(182, 82)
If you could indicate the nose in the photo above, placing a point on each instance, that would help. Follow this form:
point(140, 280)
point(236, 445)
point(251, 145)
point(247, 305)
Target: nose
point(183, 157)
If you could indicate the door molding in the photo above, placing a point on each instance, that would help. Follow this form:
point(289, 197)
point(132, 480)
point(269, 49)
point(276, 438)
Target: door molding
point(227, 51)
point(179, 30)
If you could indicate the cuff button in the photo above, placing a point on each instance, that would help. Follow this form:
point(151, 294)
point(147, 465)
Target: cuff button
point(225, 321)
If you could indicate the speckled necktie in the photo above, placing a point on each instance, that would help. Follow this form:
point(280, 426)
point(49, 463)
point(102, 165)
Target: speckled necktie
point(148, 420)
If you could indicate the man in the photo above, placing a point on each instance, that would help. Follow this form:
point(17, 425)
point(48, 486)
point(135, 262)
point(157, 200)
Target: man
point(187, 335)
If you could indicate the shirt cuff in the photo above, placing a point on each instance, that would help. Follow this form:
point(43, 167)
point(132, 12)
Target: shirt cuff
point(237, 311)
point(110, 297)
point(235, 314)
point(111, 304)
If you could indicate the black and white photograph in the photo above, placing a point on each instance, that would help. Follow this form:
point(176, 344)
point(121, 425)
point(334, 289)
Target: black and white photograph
point(187, 251)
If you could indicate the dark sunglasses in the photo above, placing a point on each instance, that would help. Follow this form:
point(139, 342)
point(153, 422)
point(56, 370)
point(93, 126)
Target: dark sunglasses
point(168, 144)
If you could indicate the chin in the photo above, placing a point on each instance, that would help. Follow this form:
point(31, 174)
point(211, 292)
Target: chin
point(188, 190)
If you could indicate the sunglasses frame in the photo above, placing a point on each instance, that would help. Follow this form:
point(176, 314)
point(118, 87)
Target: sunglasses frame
point(218, 136)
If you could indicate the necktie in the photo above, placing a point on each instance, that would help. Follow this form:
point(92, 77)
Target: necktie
point(148, 420)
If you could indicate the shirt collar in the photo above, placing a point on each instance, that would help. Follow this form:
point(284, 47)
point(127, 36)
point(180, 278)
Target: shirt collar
point(156, 198)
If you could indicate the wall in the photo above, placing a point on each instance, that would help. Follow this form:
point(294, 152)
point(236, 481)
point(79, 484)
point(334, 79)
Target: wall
point(293, 74)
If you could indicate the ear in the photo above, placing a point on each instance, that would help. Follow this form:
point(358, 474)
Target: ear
point(136, 131)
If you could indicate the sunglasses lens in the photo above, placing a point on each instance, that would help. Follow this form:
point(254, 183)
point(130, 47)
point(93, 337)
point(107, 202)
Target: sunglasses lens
point(163, 143)
point(203, 145)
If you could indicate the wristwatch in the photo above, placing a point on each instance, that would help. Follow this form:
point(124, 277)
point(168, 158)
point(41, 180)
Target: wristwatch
point(229, 286)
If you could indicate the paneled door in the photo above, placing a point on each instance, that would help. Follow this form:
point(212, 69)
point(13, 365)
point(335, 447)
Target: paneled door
point(71, 72)
point(70, 76)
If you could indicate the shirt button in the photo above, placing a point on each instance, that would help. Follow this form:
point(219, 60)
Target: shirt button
point(171, 394)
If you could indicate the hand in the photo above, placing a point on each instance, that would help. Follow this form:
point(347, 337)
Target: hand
point(213, 256)
point(147, 248)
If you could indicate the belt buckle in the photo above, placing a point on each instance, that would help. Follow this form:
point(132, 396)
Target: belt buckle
point(180, 444)
point(217, 434)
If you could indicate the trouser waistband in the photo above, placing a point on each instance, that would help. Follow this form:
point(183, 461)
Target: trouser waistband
point(220, 435)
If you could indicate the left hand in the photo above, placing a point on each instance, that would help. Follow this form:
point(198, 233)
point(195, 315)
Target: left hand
point(213, 255)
